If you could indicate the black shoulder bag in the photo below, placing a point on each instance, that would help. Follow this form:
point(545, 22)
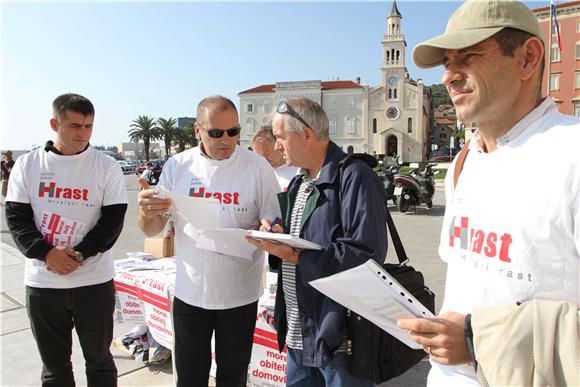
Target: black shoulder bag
point(374, 354)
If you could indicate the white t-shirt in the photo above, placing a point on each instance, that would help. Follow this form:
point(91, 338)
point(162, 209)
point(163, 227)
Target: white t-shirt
point(511, 230)
point(284, 174)
point(66, 194)
point(247, 187)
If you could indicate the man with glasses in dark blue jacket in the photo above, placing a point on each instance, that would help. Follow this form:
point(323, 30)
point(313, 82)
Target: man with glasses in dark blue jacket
point(340, 208)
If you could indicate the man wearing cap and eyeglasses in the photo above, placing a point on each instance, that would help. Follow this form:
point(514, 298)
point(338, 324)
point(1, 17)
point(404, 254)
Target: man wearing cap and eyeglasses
point(507, 240)
point(214, 293)
point(338, 207)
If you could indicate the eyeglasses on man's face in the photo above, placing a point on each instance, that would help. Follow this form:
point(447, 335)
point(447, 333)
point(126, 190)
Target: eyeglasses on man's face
point(218, 133)
point(284, 108)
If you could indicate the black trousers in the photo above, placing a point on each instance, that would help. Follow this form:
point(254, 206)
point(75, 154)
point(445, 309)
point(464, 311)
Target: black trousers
point(89, 309)
point(234, 334)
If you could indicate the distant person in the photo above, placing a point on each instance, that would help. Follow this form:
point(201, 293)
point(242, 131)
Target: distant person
point(340, 209)
point(7, 165)
point(65, 210)
point(214, 293)
point(148, 173)
point(506, 239)
point(263, 144)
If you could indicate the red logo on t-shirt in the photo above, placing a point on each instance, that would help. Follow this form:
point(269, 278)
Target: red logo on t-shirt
point(62, 192)
point(223, 197)
point(480, 241)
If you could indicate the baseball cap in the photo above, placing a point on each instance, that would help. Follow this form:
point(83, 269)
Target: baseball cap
point(473, 22)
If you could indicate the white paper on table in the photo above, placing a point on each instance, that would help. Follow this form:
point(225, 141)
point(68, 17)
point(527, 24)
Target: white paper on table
point(371, 292)
point(198, 212)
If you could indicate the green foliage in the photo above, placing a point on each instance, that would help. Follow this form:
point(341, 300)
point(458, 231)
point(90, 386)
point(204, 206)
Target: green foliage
point(185, 137)
point(167, 131)
point(144, 128)
point(439, 95)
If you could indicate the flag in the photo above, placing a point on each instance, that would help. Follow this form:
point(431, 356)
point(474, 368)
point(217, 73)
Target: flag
point(556, 25)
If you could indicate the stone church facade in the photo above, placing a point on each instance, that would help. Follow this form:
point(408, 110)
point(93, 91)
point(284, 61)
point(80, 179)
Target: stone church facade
point(389, 118)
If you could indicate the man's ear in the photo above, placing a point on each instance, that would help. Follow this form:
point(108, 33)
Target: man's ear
point(309, 134)
point(54, 124)
point(532, 52)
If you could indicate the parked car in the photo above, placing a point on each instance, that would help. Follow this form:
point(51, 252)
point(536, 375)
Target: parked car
point(157, 167)
point(125, 166)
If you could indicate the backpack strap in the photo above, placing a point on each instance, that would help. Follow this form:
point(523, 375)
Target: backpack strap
point(459, 163)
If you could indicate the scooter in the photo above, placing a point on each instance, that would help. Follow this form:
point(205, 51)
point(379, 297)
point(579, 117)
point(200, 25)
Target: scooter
point(415, 188)
point(387, 174)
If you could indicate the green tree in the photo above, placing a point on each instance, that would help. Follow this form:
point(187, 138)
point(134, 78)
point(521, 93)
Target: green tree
point(167, 131)
point(185, 137)
point(144, 128)
point(439, 95)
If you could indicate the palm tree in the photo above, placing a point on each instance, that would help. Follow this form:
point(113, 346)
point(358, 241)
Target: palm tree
point(167, 130)
point(185, 136)
point(144, 128)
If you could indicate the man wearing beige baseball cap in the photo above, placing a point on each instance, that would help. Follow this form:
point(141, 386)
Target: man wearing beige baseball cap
point(508, 238)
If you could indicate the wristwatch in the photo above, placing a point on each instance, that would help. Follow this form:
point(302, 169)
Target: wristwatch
point(80, 258)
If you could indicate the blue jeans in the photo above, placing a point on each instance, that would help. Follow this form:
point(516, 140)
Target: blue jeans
point(334, 373)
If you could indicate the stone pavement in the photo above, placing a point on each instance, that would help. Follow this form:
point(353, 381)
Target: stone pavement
point(20, 363)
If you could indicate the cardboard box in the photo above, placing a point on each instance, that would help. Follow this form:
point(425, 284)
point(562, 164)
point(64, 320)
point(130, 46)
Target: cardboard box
point(159, 247)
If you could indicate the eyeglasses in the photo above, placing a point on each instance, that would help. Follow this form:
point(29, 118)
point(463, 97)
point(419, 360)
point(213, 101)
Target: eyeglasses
point(218, 133)
point(284, 108)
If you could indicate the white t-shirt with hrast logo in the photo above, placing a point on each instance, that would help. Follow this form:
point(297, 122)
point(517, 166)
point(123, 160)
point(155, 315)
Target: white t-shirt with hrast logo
point(66, 194)
point(511, 230)
point(246, 186)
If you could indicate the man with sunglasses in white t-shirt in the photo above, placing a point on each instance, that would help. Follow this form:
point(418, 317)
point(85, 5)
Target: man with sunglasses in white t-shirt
point(214, 293)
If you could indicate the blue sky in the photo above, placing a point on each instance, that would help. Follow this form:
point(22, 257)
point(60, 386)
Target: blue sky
point(160, 59)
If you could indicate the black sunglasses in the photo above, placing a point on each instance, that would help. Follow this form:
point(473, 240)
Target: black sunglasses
point(284, 108)
point(218, 133)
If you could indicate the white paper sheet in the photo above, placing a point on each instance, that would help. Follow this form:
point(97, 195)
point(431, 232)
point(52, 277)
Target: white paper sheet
point(199, 212)
point(372, 293)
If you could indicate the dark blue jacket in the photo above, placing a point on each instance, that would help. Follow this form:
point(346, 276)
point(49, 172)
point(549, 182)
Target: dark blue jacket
point(346, 215)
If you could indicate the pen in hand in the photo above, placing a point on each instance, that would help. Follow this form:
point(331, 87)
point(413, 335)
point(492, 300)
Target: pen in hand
point(273, 223)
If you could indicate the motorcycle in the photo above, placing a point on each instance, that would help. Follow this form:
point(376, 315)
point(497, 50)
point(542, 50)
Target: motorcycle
point(415, 188)
point(387, 174)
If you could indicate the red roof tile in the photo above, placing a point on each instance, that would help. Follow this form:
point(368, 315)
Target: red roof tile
point(325, 86)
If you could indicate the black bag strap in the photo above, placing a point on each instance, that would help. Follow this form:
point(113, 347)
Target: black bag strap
point(372, 162)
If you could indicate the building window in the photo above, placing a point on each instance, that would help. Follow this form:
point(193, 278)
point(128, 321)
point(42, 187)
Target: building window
point(578, 25)
point(410, 125)
point(250, 108)
point(250, 125)
point(577, 109)
point(332, 126)
point(554, 82)
point(331, 103)
point(555, 53)
point(350, 125)
point(351, 102)
point(390, 94)
point(395, 93)
point(266, 107)
point(577, 80)
point(374, 125)
point(577, 50)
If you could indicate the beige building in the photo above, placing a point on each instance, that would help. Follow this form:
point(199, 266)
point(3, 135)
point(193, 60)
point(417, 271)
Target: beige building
point(136, 151)
point(389, 118)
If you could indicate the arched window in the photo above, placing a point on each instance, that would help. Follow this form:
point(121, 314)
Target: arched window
point(410, 125)
point(395, 93)
point(390, 94)
point(374, 125)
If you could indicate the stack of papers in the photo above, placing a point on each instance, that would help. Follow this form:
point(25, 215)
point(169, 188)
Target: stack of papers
point(203, 226)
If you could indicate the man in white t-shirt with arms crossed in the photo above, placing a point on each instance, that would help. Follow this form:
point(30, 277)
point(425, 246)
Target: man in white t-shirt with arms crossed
point(506, 238)
point(65, 209)
point(214, 292)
